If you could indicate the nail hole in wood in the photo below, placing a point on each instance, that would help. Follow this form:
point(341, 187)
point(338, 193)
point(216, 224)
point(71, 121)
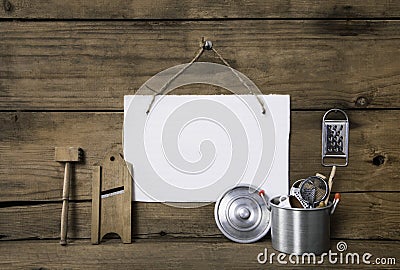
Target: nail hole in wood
point(378, 160)
point(112, 158)
point(362, 102)
point(8, 7)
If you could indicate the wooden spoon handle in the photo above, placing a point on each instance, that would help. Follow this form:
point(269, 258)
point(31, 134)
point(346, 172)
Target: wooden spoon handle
point(330, 183)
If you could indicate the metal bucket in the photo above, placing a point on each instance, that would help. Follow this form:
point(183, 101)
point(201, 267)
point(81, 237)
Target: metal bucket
point(300, 230)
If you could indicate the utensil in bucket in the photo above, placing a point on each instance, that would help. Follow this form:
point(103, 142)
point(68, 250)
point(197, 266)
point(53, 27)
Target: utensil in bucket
point(295, 191)
point(314, 190)
point(299, 230)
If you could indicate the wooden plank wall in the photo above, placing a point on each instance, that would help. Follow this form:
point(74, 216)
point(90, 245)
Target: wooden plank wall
point(65, 66)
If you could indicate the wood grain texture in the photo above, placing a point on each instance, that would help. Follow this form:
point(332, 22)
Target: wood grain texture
point(84, 56)
point(172, 9)
point(372, 215)
point(192, 254)
point(28, 170)
point(92, 65)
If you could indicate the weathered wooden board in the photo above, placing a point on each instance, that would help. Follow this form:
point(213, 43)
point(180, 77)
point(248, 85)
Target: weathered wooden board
point(145, 254)
point(83, 56)
point(28, 170)
point(172, 9)
point(372, 215)
point(78, 65)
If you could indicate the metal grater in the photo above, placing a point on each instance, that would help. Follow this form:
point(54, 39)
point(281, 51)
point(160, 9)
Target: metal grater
point(335, 139)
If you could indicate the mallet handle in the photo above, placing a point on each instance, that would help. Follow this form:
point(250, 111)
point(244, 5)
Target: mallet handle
point(65, 197)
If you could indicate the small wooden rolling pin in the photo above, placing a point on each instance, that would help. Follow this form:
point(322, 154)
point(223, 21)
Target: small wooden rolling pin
point(67, 155)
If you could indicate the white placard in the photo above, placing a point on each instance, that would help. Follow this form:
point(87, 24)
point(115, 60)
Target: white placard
point(192, 148)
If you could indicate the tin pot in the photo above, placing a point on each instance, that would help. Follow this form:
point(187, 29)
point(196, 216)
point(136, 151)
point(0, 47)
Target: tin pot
point(300, 230)
point(242, 215)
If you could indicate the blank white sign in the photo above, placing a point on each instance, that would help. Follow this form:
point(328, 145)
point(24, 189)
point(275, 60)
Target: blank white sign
point(192, 148)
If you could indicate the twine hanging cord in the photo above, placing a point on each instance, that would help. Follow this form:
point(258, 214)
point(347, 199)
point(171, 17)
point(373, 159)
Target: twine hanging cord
point(206, 45)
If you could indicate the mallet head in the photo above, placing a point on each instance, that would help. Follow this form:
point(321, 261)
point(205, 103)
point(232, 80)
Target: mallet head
point(68, 154)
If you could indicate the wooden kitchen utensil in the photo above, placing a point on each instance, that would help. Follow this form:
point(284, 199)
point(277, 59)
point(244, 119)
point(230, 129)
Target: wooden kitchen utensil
point(111, 198)
point(67, 155)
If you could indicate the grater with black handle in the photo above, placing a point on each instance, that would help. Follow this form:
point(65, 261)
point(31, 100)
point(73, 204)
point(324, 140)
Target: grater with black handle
point(335, 138)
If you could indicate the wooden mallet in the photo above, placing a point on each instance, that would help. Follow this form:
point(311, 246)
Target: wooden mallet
point(67, 155)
